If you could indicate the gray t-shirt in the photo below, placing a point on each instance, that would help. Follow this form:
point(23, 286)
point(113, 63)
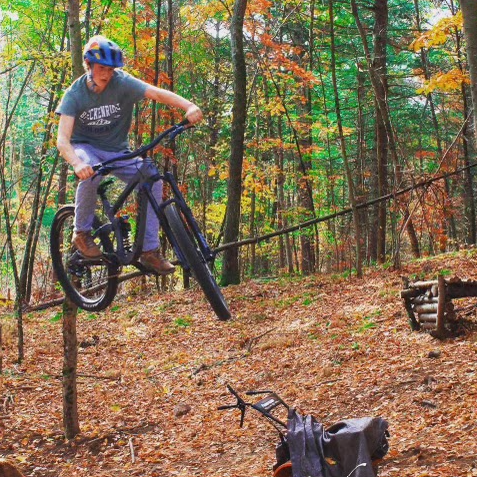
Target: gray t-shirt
point(103, 120)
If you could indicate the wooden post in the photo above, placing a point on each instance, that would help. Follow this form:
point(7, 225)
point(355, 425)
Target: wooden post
point(415, 325)
point(441, 306)
point(406, 294)
point(70, 359)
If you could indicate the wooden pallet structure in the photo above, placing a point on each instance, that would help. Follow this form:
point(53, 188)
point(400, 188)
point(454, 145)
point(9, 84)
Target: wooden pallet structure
point(429, 303)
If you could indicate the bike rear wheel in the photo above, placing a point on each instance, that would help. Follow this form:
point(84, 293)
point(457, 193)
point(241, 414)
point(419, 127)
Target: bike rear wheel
point(89, 283)
point(196, 261)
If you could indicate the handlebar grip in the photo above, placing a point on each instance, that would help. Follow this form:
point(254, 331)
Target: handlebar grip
point(230, 406)
point(184, 122)
point(254, 393)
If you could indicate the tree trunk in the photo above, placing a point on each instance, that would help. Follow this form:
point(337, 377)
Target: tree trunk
point(87, 20)
point(231, 272)
point(349, 175)
point(63, 176)
point(380, 65)
point(469, 12)
point(213, 124)
point(368, 217)
point(286, 249)
point(301, 37)
point(286, 254)
point(253, 197)
point(305, 197)
point(447, 185)
point(170, 76)
point(4, 202)
point(156, 68)
point(40, 200)
point(70, 344)
point(330, 172)
point(75, 38)
point(384, 111)
point(469, 196)
point(252, 232)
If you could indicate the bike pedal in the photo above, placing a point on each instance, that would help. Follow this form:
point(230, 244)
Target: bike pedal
point(144, 270)
point(85, 261)
point(111, 258)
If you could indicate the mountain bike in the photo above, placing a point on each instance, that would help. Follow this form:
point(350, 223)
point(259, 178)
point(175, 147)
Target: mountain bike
point(92, 283)
point(270, 405)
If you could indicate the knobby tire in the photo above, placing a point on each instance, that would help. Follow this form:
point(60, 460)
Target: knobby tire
point(197, 263)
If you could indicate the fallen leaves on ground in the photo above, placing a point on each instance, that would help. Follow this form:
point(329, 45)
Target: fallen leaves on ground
point(153, 370)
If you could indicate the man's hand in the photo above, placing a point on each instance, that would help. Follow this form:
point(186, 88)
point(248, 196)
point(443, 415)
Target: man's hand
point(83, 171)
point(65, 129)
point(194, 114)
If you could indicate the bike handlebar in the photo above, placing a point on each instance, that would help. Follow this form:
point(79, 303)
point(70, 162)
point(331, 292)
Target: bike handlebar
point(173, 131)
point(263, 409)
point(255, 393)
point(241, 404)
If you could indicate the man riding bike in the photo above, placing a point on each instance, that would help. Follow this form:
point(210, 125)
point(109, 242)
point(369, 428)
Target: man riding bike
point(95, 118)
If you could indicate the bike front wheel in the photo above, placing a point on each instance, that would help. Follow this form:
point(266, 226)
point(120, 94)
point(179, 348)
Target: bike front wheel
point(196, 261)
point(89, 283)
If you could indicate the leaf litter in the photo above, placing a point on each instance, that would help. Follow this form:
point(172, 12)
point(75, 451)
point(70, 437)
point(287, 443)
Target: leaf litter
point(153, 370)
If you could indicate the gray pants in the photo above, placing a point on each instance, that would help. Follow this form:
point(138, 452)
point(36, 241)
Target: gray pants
point(86, 195)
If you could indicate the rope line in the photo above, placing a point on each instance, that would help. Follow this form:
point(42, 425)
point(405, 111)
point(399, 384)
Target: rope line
point(348, 210)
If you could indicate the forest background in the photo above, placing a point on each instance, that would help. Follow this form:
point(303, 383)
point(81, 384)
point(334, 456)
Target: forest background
point(347, 104)
point(357, 123)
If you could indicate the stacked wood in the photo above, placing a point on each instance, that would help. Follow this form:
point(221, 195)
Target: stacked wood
point(429, 303)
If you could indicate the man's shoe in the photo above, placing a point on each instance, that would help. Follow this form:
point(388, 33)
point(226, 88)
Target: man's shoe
point(155, 262)
point(84, 243)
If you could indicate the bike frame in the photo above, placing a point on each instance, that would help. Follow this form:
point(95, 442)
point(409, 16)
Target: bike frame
point(142, 182)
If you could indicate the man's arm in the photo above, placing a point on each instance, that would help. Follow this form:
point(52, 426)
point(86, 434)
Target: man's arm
point(63, 143)
point(192, 112)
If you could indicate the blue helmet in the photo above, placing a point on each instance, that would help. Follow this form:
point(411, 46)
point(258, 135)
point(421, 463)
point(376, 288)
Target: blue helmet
point(103, 51)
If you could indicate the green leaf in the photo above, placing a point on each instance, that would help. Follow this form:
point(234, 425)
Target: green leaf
point(57, 317)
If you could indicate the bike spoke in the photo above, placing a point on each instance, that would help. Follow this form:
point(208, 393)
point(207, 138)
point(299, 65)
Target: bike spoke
point(90, 283)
